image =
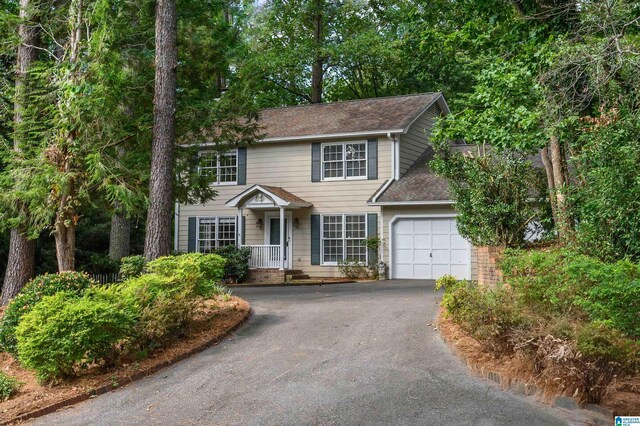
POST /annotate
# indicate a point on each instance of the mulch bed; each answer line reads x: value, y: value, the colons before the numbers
x: 622, y: 397
x: 214, y: 321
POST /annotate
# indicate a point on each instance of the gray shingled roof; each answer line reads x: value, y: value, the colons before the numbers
x: 419, y: 183
x: 358, y: 116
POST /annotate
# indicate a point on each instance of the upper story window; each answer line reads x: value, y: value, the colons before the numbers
x: 344, y: 161
x: 223, y: 166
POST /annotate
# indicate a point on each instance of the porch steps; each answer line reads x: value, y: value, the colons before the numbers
x: 295, y: 274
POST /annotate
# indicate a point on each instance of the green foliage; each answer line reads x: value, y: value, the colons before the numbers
x: 353, y: 268
x: 597, y: 341
x: 64, y: 333
x: 132, y: 266
x: 202, y: 271
x: 9, y: 386
x: 561, y: 282
x: 236, y: 267
x: 488, y: 314
x: 44, y: 285
x: 164, y: 305
x: 493, y: 194
x: 607, y: 208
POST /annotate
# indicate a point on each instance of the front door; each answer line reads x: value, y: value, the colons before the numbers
x: 274, y: 236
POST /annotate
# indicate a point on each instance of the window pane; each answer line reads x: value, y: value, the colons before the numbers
x: 332, y: 243
x: 356, y: 157
x: 355, y: 236
x: 332, y: 250
x: 332, y: 226
x: 226, y: 231
x: 332, y: 160
x: 206, y: 235
x: 228, y: 167
x: 208, y: 163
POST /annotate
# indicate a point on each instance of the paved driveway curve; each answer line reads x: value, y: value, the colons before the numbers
x: 338, y: 354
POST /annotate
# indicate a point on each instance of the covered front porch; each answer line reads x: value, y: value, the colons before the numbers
x: 272, y: 209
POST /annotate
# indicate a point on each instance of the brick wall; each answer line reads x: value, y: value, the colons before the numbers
x: 266, y: 276
x: 487, y: 259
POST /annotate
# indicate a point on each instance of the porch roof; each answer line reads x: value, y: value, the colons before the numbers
x: 278, y: 197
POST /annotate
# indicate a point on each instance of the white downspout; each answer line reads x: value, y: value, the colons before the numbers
x: 176, y: 228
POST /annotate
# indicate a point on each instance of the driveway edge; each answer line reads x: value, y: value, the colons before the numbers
x: 597, y: 414
x: 132, y: 378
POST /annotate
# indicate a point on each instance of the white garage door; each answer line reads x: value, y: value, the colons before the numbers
x: 428, y: 249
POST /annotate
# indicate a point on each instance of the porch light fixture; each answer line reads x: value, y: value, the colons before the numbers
x: 259, y: 223
x: 296, y: 222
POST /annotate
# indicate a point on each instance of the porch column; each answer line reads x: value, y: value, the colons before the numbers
x: 240, y: 228
x: 282, y: 241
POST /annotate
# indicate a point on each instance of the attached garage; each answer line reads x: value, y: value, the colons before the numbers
x: 428, y: 248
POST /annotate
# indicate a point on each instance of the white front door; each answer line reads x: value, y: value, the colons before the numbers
x: 272, y: 233
x: 428, y: 248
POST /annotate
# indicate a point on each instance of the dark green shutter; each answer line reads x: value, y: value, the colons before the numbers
x: 372, y: 159
x: 191, y: 245
x: 242, y: 166
x: 243, y: 220
x: 372, y: 232
x: 316, y: 165
x: 315, y: 239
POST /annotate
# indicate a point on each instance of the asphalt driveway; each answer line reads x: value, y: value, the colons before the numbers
x: 337, y: 354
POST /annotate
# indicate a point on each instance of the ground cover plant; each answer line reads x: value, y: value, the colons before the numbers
x: 573, y: 319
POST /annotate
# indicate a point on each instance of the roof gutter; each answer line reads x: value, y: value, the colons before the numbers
x: 412, y: 203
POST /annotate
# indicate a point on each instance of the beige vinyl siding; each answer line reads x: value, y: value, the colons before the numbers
x: 389, y: 212
x: 414, y: 143
x: 288, y: 165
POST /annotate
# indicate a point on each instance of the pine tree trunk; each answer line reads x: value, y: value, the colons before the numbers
x: 120, y: 235
x: 317, y: 66
x: 158, y: 231
x: 20, y: 264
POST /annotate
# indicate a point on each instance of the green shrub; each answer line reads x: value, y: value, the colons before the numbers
x: 8, y: 386
x: 558, y: 282
x: 488, y: 314
x: 132, y: 266
x: 353, y: 269
x: 236, y: 268
x: 64, y: 333
x: 203, y: 270
x: 603, y: 344
x: 164, y: 305
x: 615, y: 300
x: 44, y: 285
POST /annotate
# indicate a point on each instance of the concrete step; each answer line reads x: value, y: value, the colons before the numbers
x: 299, y: 277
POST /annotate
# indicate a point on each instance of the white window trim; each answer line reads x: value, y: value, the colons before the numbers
x: 344, y: 236
x: 344, y: 161
x: 218, y: 155
x: 216, y: 240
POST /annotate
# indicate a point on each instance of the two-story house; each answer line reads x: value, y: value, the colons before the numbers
x: 324, y: 178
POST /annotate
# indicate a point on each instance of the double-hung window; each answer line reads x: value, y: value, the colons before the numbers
x: 345, y: 160
x: 223, y: 167
x: 215, y: 232
x: 343, y: 238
